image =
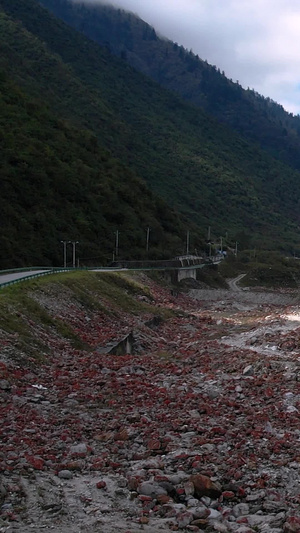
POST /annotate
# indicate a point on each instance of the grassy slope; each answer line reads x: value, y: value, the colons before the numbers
x: 64, y: 305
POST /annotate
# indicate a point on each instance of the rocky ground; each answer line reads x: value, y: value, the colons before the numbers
x: 197, y: 429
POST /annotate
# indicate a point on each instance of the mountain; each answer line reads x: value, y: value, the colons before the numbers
x: 59, y: 184
x: 256, y: 118
x: 119, y: 135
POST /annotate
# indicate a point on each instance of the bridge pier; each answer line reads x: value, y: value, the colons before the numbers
x: 185, y: 273
x: 176, y: 275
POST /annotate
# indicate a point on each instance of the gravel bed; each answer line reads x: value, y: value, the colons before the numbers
x: 196, y: 430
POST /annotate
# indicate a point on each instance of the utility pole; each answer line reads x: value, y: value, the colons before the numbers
x: 74, y: 251
x: 208, y: 233
x: 221, y: 244
x: 117, y: 243
x: 65, y: 252
x: 147, y: 239
x: 187, y: 242
x: 236, y: 249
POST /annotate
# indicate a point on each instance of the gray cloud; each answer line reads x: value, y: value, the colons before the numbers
x: 256, y: 42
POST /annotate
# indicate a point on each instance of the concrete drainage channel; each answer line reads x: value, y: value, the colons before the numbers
x: 126, y: 345
x: 122, y: 347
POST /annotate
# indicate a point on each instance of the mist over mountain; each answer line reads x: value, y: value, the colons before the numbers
x: 255, y: 117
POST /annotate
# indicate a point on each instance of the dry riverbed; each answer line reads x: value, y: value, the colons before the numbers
x: 196, y: 430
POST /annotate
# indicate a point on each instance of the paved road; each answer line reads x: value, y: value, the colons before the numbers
x: 15, y: 276
x: 233, y: 283
x: 5, y: 278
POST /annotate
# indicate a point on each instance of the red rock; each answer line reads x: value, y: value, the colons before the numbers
x: 242, y: 520
x: 196, y: 464
x: 154, y: 444
x: 292, y: 525
x: 73, y: 465
x: 163, y: 498
x: 101, y: 485
x: 204, y: 486
x: 228, y: 495
x: 200, y: 522
x: 115, y: 465
x: 167, y: 511
x: 133, y: 483
x: 144, y: 498
x: 122, y: 435
x: 36, y: 462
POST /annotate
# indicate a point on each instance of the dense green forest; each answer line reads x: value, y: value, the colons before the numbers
x: 257, y: 118
x: 91, y: 146
x: 58, y: 184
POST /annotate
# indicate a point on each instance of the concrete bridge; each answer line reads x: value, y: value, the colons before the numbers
x: 175, y: 270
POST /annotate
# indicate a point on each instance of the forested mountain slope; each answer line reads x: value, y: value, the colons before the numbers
x: 209, y: 174
x: 258, y: 119
x: 57, y: 184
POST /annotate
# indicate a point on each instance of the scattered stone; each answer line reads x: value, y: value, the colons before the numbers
x: 241, y: 509
x: 248, y: 370
x: 79, y: 449
x: 65, y: 474
x: 184, y: 519
x: 151, y: 489
x: 5, y: 385
x: 192, y: 432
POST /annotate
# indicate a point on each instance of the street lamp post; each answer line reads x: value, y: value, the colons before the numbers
x: 65, y: 252
x: 74, y: 251
x: 147, y: 239
x: 187, y: 242
x: 117, y: 243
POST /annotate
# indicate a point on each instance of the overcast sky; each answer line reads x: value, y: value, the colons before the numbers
x: 256, y: 42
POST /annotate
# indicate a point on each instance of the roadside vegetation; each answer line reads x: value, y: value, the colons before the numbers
x: 263, y: 269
